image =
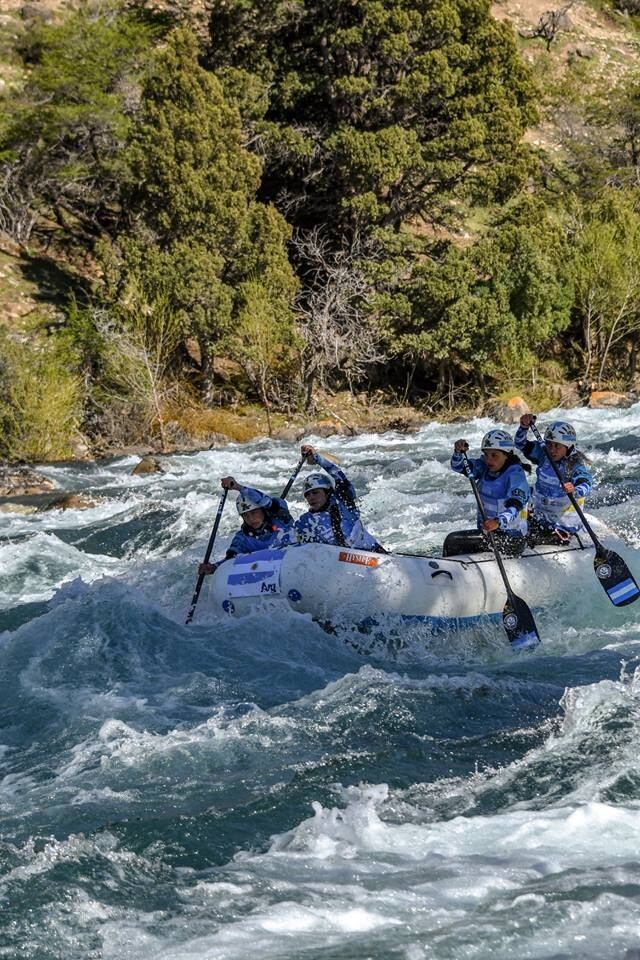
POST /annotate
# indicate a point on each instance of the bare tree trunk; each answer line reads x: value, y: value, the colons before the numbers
x: 610, y: 339
x: 633, y: 360
x: 156, y: 401
x: 410, y: 376
x: 267, y: 405
x: 207, y: 370
x: 163, y: 435
x: 479, y: 378
x: 586, y: 333
x: 442, y: 377
x: 309, y: 383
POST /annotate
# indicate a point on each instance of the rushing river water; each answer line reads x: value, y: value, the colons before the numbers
x: 259, y: 787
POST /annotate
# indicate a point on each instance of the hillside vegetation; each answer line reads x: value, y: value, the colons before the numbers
x: 264, y: 207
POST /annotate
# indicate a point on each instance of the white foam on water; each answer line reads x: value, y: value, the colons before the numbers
x: 544, y: 842
x: 534, y: 858
x: 352, y: 880
x: 515, y: 878
x: 34, y: 569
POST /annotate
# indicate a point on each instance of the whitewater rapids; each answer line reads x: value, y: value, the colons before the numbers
x: 259, y: 786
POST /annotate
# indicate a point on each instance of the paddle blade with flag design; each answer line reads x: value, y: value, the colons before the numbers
x: 615, y: 576
x: 519, y: 624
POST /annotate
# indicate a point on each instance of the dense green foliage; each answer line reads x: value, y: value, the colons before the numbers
x: 322, y: 194
x: 607, y: 280
x: 469, y: 308
x: 40, y: 402
x: 378, y: 112
x: 63, y: 136
x: 195, y: 234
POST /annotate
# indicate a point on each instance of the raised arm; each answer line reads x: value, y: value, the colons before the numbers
x: 460, y: 447
x: 532, y: 451
x: 344, y: 489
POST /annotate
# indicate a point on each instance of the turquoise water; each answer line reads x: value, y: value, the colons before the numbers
x: 259, y: 786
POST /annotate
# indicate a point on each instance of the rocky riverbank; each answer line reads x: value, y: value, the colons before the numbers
x: 24, y: 489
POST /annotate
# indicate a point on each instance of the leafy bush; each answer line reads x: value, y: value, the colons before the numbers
x: 40, y: 402
x: 61, y: 144
x: 378, y: 112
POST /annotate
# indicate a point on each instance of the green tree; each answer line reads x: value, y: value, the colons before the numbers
x: 379, y: 113
x: 599, y: 129
x: 605, y: 241
x: 624, y: 115
x: 196, y: 232
x: 463, y: 310
x: 262, y: 343
x: 62, y: 139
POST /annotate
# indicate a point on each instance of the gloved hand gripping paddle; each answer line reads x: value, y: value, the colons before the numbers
x: 617, y: 580
x: 517, y: 618
x: 214, y: 532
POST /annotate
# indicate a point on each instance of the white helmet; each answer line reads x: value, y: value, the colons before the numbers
x: 251, y: 500
x: 498, y: 440
x: 561, y: 432
x: 317, y: 481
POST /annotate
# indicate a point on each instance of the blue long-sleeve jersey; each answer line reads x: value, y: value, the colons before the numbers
x: 339, y: 521
x: 277, y: 530
x: 504, y: 494
x: 551, y: 504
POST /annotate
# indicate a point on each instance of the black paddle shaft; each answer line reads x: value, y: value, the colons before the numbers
x: 488, y: 533
x: 613, y: 573
x: 214, y: 533
x: 517, y: 618
x: 212, y: 539
x: 292, y: 479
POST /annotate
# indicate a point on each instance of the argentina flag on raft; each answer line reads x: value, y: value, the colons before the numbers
x: 255, y: 574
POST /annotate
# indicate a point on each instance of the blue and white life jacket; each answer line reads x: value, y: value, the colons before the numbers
x: 551, y: 504
x: 277, y: 530
x: 504, y: 494
x: 339, y: 521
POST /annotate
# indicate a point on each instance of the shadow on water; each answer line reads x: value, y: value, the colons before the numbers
x: 627, y: 443
x: 150, y: 531
x: 17, y: 616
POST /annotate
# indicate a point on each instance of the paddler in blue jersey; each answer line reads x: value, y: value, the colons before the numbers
x: 266, y: 523
x: 333, y: 516
x: 504, y: 491
x: 553, y: 518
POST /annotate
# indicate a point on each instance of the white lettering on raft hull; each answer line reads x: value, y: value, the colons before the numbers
x: 331, y: 582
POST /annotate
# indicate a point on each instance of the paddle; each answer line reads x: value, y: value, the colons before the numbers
x: 517, y: 618
x: 201, y: 576
x: 611, y: 570
x: 214, y: 532
x: 291, y: 480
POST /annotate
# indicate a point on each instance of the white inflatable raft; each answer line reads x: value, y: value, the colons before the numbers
x: 340, y: 585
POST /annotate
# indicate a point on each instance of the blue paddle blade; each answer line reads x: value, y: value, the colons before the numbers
x: 519, y: 624
x: 615, y: 577
x: 526, y: 641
